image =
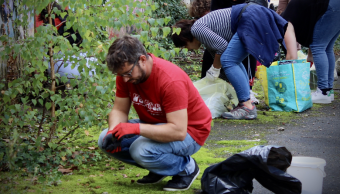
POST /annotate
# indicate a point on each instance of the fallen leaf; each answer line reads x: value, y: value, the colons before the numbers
x: 92, y: 148
x: 63, y: 158
x: 107, y: 165
x: 125, y: 176
x: 41, y: 149
x: 98, y: 187
x: 112, y: 168
x: 92, y: 176
x: 64, y: 171
x: 6, y: 140
x: 138, y: 175
x: 121, y: 168
x: 101, y: 175
x: 87, y: 132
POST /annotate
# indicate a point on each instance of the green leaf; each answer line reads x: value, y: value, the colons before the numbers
x: 64, y: 79
x: 19, y: 90
x: 176, y: 30
x: 166, y: 31
x: 74, y: 37
x: 167, y: 20
x: 160, y: 21
x: 17, y: 106
x: 151, y: 21
x: 34, y: 101
x: 41, y: 102
x: 177, y: 50
x: 154, y: 31
x: 63, y: 14
x: 166, y: 55
x: 153, y: 7
x: 173, y: 53
x: 185, y: 51
x: 53, y: 98
x: 48, y: 105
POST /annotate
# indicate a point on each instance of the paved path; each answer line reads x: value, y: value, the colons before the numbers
x: 314, y: 136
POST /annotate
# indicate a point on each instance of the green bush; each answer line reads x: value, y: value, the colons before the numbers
x: 38, y: 117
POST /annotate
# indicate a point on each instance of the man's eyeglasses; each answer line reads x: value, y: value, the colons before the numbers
x: 129, y: 73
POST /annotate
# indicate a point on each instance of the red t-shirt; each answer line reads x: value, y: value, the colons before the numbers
x: 168, y: 89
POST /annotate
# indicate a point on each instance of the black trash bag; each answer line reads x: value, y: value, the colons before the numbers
x: 267, y: 164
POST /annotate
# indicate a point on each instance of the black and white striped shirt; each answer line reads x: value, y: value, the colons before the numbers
x: 214, y: 30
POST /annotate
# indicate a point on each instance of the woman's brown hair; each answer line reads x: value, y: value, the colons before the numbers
x: 185, y: 35
x: 198, y: 8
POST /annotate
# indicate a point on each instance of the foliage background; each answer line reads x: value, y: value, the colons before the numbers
x: 39, y: 119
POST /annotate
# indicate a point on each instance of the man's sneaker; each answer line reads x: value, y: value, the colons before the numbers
x: 331, y: 94
x: 319, y: 98
x: 182, y: 183
x: 151, y: 178
x: 253, y: 98
x: 241, y: 112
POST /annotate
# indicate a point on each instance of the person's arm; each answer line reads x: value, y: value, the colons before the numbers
x: 209, y: 38
x: 174, y: 130
x: 290, y: 41
x: 217, y: 61
x: 119, y: 112
x: 282, y: 6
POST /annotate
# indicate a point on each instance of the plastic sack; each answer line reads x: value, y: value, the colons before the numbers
x: 267, y: 164
x: 286, y: 85
x: 217, y: 95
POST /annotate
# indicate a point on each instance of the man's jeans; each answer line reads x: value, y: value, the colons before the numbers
x: 168, y: 159
x: 231, y: 61
x: 326, y: 31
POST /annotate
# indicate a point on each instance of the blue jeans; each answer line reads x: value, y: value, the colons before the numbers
x: 326, y: 31
x: 168, y: 159
x: 231, y: 61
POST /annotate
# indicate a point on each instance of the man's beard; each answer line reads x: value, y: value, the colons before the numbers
x: 142, y: 78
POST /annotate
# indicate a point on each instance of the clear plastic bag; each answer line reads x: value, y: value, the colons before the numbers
x: 217, y: 95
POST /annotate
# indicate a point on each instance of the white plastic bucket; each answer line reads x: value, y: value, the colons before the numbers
x: 310, y: 171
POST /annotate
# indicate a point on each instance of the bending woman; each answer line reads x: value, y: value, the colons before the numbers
x: 231, y: 36
x: 197, y: 10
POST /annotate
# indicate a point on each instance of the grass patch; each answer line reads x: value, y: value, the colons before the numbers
x: 230, y: 147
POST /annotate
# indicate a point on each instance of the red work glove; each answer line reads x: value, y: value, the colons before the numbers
x: 125, y: 129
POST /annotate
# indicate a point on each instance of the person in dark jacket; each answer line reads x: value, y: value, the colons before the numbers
x: 317, y: 26
x: 231, y: 36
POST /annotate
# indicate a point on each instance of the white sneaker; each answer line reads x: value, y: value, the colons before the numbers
x: 331, y: 94
x: 253, y: 98
x: 319, y: 98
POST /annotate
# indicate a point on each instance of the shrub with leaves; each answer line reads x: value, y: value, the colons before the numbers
x: 38, y: 116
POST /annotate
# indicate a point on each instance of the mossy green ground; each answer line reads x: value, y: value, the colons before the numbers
x: 109, y: 175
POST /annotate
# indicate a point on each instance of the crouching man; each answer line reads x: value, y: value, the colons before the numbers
x: 173, y: 123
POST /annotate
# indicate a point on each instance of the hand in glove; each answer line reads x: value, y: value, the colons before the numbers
x: 125, y: 129
x: 213, y: 73
x: 110, y: 143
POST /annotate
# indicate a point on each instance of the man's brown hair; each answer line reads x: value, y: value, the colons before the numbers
x: 124, y: 49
